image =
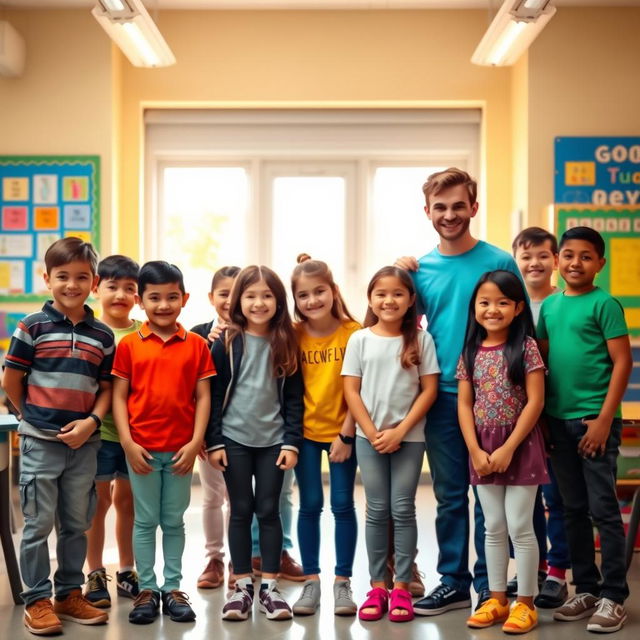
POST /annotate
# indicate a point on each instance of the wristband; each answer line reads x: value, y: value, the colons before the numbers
x: 346, y: 439
x: 97, y: 420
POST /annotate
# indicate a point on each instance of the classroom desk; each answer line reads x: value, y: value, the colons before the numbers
x: 8, y: 423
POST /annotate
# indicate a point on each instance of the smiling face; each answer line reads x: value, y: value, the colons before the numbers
x: 258, y: 305
x: 579, y: 263
x: 494, y: 311
x: 162, y: 304
x: 117, y: 297
x: 221, y: 296
x: 536, y: 264
x: 450, y: 212
x: 70, y: 285
x: 390, y: 300
x: 314, y: 297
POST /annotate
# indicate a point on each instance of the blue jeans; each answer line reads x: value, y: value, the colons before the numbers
x: 588, y: 488
x: 160, y: 499
x: 342, y: 476
x: 449, y: 463
x: 390, y: 482
x: 56, y: 488
x: 286, y: 516
x: 558, y: 554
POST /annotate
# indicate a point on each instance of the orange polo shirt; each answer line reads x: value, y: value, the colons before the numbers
x: 162, y: 385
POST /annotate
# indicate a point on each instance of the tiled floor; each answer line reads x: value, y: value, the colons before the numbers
x: 325, y: 625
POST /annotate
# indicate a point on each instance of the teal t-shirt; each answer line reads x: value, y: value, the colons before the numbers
x: 108, y: 430
x: 444, y: 285
x: 577, y: 328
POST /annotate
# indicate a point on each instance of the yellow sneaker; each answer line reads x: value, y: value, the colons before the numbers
x: 488, y: 614
x: 521, y: 619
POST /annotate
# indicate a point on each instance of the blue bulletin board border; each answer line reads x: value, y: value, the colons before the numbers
x: 76, y: 202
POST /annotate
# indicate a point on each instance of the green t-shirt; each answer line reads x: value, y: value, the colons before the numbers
x: 577, y: 328
x: 108, y: 429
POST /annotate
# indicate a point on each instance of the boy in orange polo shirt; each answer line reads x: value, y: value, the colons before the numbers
x: 161, y: 404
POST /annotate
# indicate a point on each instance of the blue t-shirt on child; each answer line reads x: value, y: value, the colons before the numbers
x: 444, y: 284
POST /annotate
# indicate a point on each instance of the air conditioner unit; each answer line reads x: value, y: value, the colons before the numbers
x: 12, y: 51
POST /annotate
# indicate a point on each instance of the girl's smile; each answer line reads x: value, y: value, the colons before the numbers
x: 494, y: 311
x: 258, y: 305
x: 390, y: 299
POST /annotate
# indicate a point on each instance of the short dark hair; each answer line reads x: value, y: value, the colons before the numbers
x: 584, y: 233
x: 534, y: 237
x: 68, y: 250
x: 118, y: 267
x: 159, y: 272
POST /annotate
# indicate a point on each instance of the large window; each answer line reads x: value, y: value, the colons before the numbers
x: 262, y: 187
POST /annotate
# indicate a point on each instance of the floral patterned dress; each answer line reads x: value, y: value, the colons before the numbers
x: 497, y: 406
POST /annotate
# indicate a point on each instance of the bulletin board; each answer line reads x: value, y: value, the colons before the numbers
x: 620, y: 228
x: 43, y: 199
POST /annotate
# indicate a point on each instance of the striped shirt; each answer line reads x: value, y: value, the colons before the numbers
x: 64, y: 364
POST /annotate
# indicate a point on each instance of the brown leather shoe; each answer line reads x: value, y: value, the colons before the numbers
x: 40, y: 619
x: 290, y: 569
x: 213, y: 575
x: 76, y: 607
x: 416, y: 586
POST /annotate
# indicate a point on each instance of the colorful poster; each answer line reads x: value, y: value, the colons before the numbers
x: 15, y: 189
x: 15, y: 218
x: 75, y: 188
x: 45, y: 218
x: 45, y: 189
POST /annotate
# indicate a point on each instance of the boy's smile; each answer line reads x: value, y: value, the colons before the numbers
x: 70, y: 285
x: 117, y: 298
x: 579, y: 263
x: 536, y: 264
x: 163, y: 303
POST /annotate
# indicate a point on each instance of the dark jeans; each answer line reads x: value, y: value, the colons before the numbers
x: 243, y: 465
x: 588, y: 489
x: 449, y: 464
x: 558, y: 554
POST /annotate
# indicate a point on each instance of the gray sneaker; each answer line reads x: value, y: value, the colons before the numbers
x: 344, y: 604
x: 609, y: 617
x: 582, y: 605
x: 309, y: 601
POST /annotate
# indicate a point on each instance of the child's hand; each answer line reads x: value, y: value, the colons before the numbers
x: 76, y: 433
x: 387, y: 441
x: 184, y: 458
x: 216, y: 331
x: 137, y: 457
x: 287, y: 459
x: 481, y: 463
x: 218, y: 459
x: 500, y: 459
x: 339, y: 451
x: 202, y: 454
x: 594, y: 441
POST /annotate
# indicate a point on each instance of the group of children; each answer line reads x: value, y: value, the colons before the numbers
x: 256, y: 395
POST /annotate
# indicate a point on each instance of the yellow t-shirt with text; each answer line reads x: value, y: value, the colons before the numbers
x: 324, y: 405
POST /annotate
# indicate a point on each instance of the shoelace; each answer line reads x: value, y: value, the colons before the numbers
x: 239, y: 595
x: 144, y: 597
x: 440, y: 590
x: 180, y: 597
x: 606, y: 608
x: 40, y: 607
x: 344, y: 591
x: 307, y: 591
x: 98, y: 581
x: 579, y: 598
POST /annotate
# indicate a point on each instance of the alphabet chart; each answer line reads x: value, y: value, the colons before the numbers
x: 42, y: 199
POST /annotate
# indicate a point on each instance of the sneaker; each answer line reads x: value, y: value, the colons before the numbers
x: 416, y: 586
x: 512, y: 585
x: 483, y: 596
x: 213, y: 575
x: 609, y: 617
x: 489, y: 613
x: 343, y: 602
x: 273, y: 604
x: 290, y: 569
x: 146, y: 607
x: 176, y: 605
x: 96, y: 591
x: 309, y: 601
x: 521, y: 619
x: 75, y: 607
x: 552, y: 594
x: 40, y: 619
x: 127, y: 584
x: 582, y: 605
x: 238, y: 604
x: 442, y: 598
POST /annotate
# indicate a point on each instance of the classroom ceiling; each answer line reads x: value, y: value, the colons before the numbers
x: 310, y: 4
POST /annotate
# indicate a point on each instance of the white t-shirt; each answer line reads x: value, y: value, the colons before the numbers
x: 387, y: 389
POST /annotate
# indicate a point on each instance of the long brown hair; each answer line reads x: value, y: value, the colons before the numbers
x: 284, y: 347
x: 410, y: 354
x: 318, y: 269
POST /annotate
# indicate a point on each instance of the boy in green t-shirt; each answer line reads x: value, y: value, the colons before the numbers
x: 117, y: 292
x: 585, y: 338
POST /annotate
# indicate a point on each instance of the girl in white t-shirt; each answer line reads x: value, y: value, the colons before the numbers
x: 390, y: 375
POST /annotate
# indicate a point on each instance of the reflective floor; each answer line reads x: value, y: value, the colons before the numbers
x: 208, y: 603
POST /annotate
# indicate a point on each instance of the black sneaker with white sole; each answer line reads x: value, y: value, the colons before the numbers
x: 442, y: 598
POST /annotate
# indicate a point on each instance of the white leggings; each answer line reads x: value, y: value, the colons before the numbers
x: 508, y: 512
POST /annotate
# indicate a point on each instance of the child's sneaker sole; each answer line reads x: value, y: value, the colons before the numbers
x: 464, y: 604
x: 96, y: 620
x: 278, y: 614
x: 516, y: 632
x: 101, y: 604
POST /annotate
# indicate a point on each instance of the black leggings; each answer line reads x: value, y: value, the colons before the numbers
x: 243, y: 465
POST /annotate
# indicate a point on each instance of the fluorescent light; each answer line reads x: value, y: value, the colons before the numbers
x: 516, y: 25
x: 129, y: 25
